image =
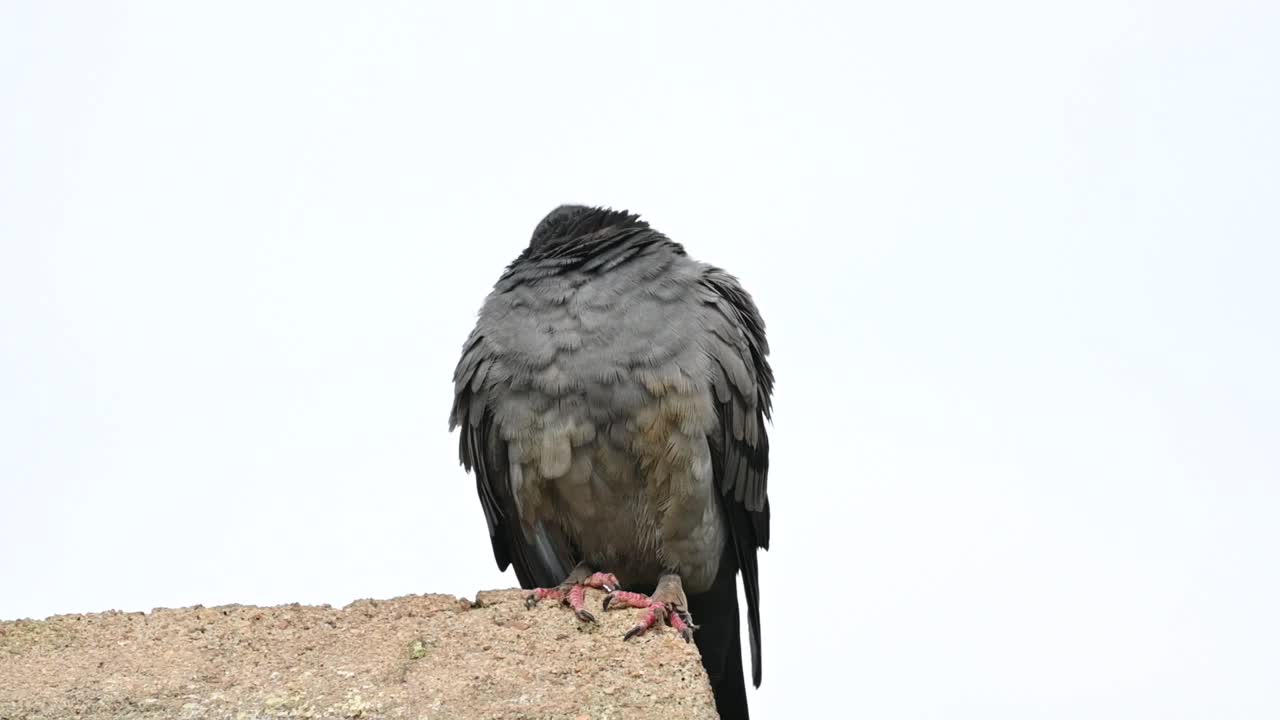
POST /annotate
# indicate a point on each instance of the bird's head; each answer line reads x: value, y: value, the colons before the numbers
x: 567, y: 223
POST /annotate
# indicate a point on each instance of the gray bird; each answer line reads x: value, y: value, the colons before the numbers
x: 612, y: 399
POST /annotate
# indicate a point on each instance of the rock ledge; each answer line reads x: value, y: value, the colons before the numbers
x: 419, y: 656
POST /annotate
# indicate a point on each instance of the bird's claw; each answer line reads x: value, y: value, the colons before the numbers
x: 682, y: 622
x: 626, y: 599
x: 537, y: 595
x: 574, y: 594
x: 677, y: 617
x: 607, y: 582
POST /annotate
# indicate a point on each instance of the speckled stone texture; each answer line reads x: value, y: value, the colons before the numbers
x: 422, y: 656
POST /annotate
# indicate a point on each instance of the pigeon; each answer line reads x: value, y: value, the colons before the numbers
x: 612, y: 403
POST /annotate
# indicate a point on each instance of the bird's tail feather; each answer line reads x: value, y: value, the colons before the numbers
x: 719, y: 640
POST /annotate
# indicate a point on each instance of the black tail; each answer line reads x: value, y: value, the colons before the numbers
x: 719, y: 640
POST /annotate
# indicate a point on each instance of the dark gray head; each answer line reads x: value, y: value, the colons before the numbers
x: 570, y: 222
x: 587, y: 239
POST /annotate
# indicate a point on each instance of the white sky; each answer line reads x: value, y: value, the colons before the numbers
x: 1019, y: 264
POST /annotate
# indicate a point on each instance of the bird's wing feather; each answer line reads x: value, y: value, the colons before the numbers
x: 484, y: 453
x: 743, y: 386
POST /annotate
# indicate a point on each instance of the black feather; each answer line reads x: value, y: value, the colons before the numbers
x: 740, y: 458
x: 719, y: 640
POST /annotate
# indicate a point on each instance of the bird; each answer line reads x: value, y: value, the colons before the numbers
x: 612, y: 402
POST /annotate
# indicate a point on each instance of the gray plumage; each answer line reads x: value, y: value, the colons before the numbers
x: 612, y: 400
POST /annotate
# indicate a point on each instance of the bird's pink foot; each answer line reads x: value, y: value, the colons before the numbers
x: 573, y: 592
x: 670, y: 610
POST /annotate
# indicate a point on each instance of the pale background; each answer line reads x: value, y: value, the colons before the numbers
x: 1019, y: 264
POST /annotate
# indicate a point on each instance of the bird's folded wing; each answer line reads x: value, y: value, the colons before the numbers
x: 483, y: 452
x: 743, y: 386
